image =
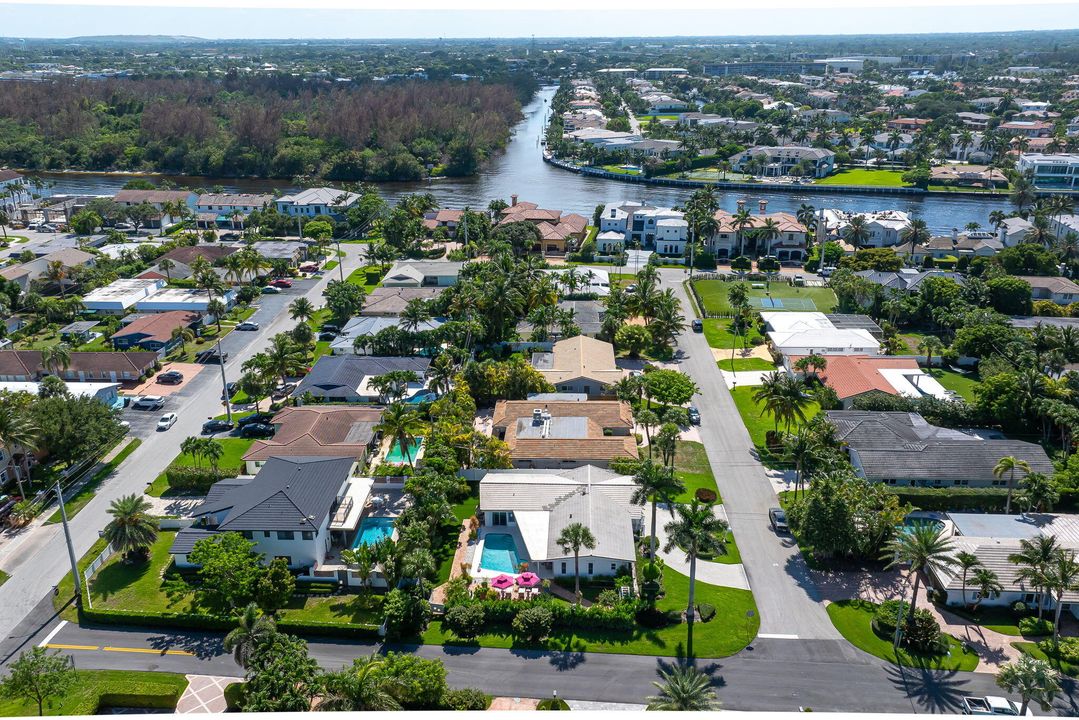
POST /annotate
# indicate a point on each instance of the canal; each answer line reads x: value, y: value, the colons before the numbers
x: 521, y: 170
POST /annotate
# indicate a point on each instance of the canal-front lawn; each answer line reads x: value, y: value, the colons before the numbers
x: 868, y: 177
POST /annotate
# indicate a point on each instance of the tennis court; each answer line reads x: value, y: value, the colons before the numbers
x: 789, y: 303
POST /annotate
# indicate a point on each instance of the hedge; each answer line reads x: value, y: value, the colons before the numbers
x: 981, y: 499
x: 183, y: 477
x: 198, y: 621
x: 569, y: 617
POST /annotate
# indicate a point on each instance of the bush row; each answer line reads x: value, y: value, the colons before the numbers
x: 978, y: 499
x: 182, y: 477
x: 620, y: 618
x: 200, y: 621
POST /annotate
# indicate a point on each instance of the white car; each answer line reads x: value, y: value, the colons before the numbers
x: 149, y: 402
x: 167, y: 420
x: 248, y: 325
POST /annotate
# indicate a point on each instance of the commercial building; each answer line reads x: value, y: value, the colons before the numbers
x: 186, y: 299
x: 119, y: 296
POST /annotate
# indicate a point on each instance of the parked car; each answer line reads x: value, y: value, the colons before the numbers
x: 991, y: 705
x: 270, y: 290
x: 167, y: 420
x: 799, y: 280
x: 230, y: 390
x: 248, y: 325
x: 282, y: 283
x: 827, y: 271
x: 256, y: 419
x: 7, y: 504
x: 171, y: 377
x: 256, y: 430
x: 149, y: 402
x: 211, y: 357
x: 778, y: 518
x: 326, y: 336
x: 697, y: 325
x: 330, y: 327
x: 282, y: 390
x: 694, y: 415
x: 230, y: 236
x: 213, y: 426
x: 123, y: 226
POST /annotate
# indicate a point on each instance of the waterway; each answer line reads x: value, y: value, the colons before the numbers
x: 520, y: 170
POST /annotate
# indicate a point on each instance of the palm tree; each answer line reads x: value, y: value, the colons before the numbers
x: 924, y: 548
x: 916, y: 234
x: 131, y: 531
x: 415, y: 314
x: 252, y: 627
x: 857, y: 231
x: 283, y: 357
x: 741, y: 220
x: 930, y: 345
x: 768, y: 395
x: 184, y: 335
x: 1031, y: 679
x: 55, y: 272
x: 695, y: 530
x: 1061, y: 576
x: 1034, y: 558
x: 56, y: 357
x: 1009, y: 465
x: 987, y: 583
x: 363, y: 559
x: 401, y: 424
x: 966, y: 561
x: 301, y: 309
x: 684, y: 688
x: 360, y: 688
x: 166, y: 266
x: 217, y: 308
x: 767, y: 232
x: 657, y: 484
x: 18, y: 431
x: 572, y: 538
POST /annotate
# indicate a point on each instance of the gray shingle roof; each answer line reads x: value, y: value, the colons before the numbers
x: 334, y: 372
x: 610, y: 522
x: 185, y: 540
x: 295, y: 493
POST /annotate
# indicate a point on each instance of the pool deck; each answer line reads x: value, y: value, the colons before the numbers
x: 478, y: 572
x: 386, y: 447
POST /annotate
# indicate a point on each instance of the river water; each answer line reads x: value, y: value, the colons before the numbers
x: 521, y: 170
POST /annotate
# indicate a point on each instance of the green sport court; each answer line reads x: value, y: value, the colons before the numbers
x: 789, y: 303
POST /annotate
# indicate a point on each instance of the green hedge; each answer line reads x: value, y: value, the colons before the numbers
x: 183, y: 477
x: 982, y: 499
x: 197, y: 621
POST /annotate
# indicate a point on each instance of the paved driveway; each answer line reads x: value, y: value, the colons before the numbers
x: 153, y: 387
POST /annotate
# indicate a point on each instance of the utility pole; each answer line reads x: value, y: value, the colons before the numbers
x: 224, y: 383
x: 340, y: 260
x: 70, y: 547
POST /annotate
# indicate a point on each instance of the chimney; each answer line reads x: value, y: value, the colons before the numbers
x: 513, y: 200
x: 955, y: 236
x: 1001, y: 234
x: 763, y: 206
x: 742, y: 204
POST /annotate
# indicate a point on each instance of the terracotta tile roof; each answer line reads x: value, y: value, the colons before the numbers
x: 447, y: 215
x: 187, y: 253
x: 579, y: 356
x: 852, y: 375
x: 605, y: 413
x: 392, y: 300
x: 158, y: 326
x: 330, y: 431
x: 587, y: 449
x: 28, y: 362
x: 786, y: 222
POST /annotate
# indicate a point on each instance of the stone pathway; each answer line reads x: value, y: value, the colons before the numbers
x: 744, y: 378
x: 513, y: 703
x: 204, y: 694
x: 713, y: 573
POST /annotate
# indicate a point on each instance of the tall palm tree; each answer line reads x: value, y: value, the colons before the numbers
x: 573, y: 538
x: 924, y: 548
x: 767, y: 232
x: 741, y: 219
x: 131, y: 531
x: 966, y: 561
x: 695, y: 530
x: 56, y: 358
x: 1061, y: 576
x: 769, y: 395
x: 301, y: 309
x: 857, y: 231
x: 217, y: 308
x: 360, y: 688
x: 283, y: 357
x: 166, y: 265
x: 55, y: 272
x: 184, y: 335
x: 657, y: 484
x: 916, y: 234
x: 987, y: 584
x: 18, y: 431
x: 1030, y: 679
x: 684, y: 688
x: 1008, y: 465
x: 401, y: 425
x: 930, y: 345
x: 252, y: 628
x: 415, y: 314
x: 234, y: 268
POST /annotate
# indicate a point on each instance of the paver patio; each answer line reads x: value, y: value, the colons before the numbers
x: 204, y: 694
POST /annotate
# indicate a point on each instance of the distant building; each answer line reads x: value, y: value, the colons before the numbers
x: 119, y: 296
x: 1058, y: 170
x: 781, y: 160
x: 317, y: 202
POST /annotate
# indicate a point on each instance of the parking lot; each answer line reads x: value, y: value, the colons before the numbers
x: 153, y: 387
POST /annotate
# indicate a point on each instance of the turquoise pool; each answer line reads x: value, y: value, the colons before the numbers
x: 499, y: 553
x: 397, y: 455
x: 373, y: 530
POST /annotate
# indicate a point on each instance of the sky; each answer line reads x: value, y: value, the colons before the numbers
x: 216, y: 19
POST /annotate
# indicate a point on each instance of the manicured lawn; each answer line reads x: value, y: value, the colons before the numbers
x: 733, y: 557
x: 853, y: 618
x: 964, y: 384
x: 95, y: 689
x: 359, y: 277
x: 78, y: 501
x: 789, y: 298
x: 353, y: 609
x: 865, y: 176
x: 234, y: 451
x: 719, y: 334
x: 4, y: 577
x: 619, y: 170
x: 758, y: 424
x: 743, y: 364
x: 997, y: 619
x: 120, y: 586
x: 726, y: 634
x: 1032, y: 649
x: 621, y: 279
x: 445, y: 551
x: 693, y: 469
x: 330, y: 265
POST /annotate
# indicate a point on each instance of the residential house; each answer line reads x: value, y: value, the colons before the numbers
x: 213, y: 253
x: 907, y: 280
x: 973, y: 120
x: 534, y: 507
x: 638, y: 223
x: 1060, y: 290
x: 444, y: 218
x: 813, y: 333
x: 154, y: 332
x: 579, y: 365
x: 777, y: 161
x: 367, y: 326
x: 119, y: 296
x: 104, y: 392
x: 884, y: 228
x: 728, y: 242
x: 186, y: 299
x: 422, y: 273
x: 954, y: 246
x: 587, y: 315
x: 1026, y: 128
x: 322, y: 202
x: 1057, y: 170
x: 1014, y: 230
x: 228, y: 210
x: 854, y: 376
x: 161, y: 200
x: 967, y: 176
x: 900, y: 448
x: 554, y: 434
x: 391, y: 301
x: 347, y: 378
x: 317, y: 431
x: 79, y: 332
x: 111, y: 367
x: 37, y: 270
x: 559, y: 232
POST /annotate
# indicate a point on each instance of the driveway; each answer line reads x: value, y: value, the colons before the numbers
x: 713, y: 573
x: 153, y: 387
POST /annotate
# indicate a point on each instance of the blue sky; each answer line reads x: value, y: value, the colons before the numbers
x: 274, y: 19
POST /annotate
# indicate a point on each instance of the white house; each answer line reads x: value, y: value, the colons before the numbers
x: 107, y: 393
x: 119, y: 296
x: 189, y: 299
x: 1059, y: 170
x: 422, y: 273
x: 813, y: 333
x: 317, y: 202
x: 780, y: 160
x: 884, y: 228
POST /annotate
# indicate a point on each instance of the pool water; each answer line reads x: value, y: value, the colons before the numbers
x: 397, y: 455
x: 915, y: 522
x: 499, y: 553
x: 373, y: 530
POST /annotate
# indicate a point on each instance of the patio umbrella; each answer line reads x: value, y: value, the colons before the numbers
x: 528, y: 579
x: 502, y: 582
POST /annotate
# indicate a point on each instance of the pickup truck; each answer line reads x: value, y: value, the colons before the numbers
x: 991, y: 705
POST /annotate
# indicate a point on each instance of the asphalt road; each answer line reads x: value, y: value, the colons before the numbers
x: 40, y: 561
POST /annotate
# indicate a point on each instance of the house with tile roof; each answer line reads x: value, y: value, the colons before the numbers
x: 317, y: 431
x: 579, y: 365
x: 314, y: 203
x: 565, y: 434
x: 111, y: 367
x: 153, y: 332
x: 854, y: 376
x: 26, y: 273
x: 730, y: 240
x: 533, y: 507
x: 422, y: 273
x: 900, y: 448
x: 1060, y: 290
x: 559, y: 232
x: 392, y: 301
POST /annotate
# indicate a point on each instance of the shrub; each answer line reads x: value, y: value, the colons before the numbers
x: 533, y: 623
x: 466, y: 699
x: 923, y: 633
x: 607, y: 598
x: 1032, y: 626
x: 552, y: 704
x: 191, y: 478
x: 706, y: 495
x: 974, y: 499
x: 465, y: 621
x: 886, y: 614
x: 421, y: 682
x: 706, y: 611
x: 404, y: 614
x: 1020, y: 608
x: 234, y: 696
x: 655, y: 618
x: 1068, y: 649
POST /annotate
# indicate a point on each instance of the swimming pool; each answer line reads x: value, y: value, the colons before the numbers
x: 910, y: 523
x: 373, y: 530
x: 397, y: 455
x: 499, y: 553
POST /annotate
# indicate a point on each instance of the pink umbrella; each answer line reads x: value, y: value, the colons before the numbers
x: 528, y: 579
x: 502, y: 582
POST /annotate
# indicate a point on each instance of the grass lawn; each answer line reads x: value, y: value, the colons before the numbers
x: 621, y: 279
x: 726, y: 634
x: 330, y: 265
x: 359, y: 277
x: 78, y: 501
x: 1032, y: 649
x: 96, y: 689
x: 4, y: 577
x: 852, y: 619
x: 354, y: 609
x: 619, y: 170
x: 719, y: 334
x: 693, y: 469
x: 445, y: 551
x: 741, y: 364
x: 997, y: 619
x: 714, y: 296
x: 234, y: 451
x: 757, y: 424
x: 964, y: 384
x: 865, y: 176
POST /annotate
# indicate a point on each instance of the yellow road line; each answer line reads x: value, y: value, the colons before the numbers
x: 148, y: 651
x: 59, y: 646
